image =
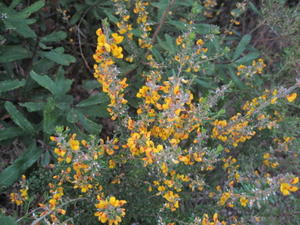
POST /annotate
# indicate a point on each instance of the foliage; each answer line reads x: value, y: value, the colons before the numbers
x: 196, y: 135
x: 35, y: 104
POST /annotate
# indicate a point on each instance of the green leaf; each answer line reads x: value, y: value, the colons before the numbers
x: 164, y: 45
x: 242, y: 46
x: 10, y: 132
x: 76, y: 17
x: 94, y: 111
x: 54, y: 36
x: 43, y: 65
x: 203, y: 28
x: 220, y: 149
x: 32, y: 8
x: 157, y: 55
x: 203, y: 83
x: 7, y: 220
x: 57, y: 56
x: 10, y: 53
x: 94, y: 100
x: 9, y: 85
x: 253, y: 7
x: 236, y: 80
x: 110, y: 16
x: 91, y: 2
x: 18, y: 117
x: 90, y: 84
x: 64, y: 102
x: 72, y: 116
x: 179, y: 25
x: 33, y: 106
x: 62, y: 84
x: 9, y: 175
x: 89, y: 125
x: 49, y: 117
x: 44, y: 81
x: 14, y: 3
x: 45, y: 159
x: 20, y: 26
x: 248, y: 58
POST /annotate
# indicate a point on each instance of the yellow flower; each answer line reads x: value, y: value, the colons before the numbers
x: 112, y: 164
x: 273, y: 100
x: 199, y: 42
x: 116, y: 51
x: 74, y: 144
x: 291, y: 97
x: 117, y: 38
x: 244, y: 201
x: 295, y: 180
x: 179, y: 40
x: 286, y: 188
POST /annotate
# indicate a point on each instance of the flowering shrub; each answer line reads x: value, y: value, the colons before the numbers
x: 175, y: 155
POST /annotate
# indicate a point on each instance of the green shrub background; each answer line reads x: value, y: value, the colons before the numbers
x: 46, y: 65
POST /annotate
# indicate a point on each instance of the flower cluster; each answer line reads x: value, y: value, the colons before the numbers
x: 109, y: 210
x: 20, y: 197
x: 107, y: 73
x: 174, y: 141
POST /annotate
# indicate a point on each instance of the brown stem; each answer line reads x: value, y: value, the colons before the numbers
x: 162, y: 20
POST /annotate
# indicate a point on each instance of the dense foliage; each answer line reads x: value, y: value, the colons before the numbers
x: 149, y: 112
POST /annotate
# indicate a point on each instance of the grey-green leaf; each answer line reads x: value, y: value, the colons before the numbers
x: 49, y: 117
x: 32, y: 8
x: 62, y: 84
x: 89, y: 125
x: 94, y: 100
x: 248, y: 58
x: 10, y: 132
x: 235, y: 79
x: 242, y: 46
x: 56, y: 56
x: 18, y: 117
x: 9, y: 85
x: 9, y: 175
x: 33, y: 106
x: 44, y: 81
x: 7, y: 220
x: 54, y: 36
x: 11, y: 53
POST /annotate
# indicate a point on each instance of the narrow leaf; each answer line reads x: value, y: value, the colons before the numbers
x: 18, y: 117
x: 12, y: 53
x: 10, y: 132
x: 54, y: 36
x: 9, y: 175
x: 248, y: 58
x: 33, y: 106
x: 242, y: 46
x: 33, y: 8
x: 44, y: 81
x: 10, y: 85
x: 58, y: 57
x: 62, y: 84
x: 236, y: 80
x: 49, y: 117
x: 7, y: 220
x: 94, y: 100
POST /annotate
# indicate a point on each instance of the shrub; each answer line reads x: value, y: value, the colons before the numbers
x: 184, y: 148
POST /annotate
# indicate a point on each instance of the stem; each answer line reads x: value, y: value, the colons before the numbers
x: 51, y: 211
x: 162, y: 20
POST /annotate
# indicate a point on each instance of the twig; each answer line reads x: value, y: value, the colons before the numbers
x: 81, y: 52
x: 162, y: 20
x: 51, y: 211
x: 79, y: 40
